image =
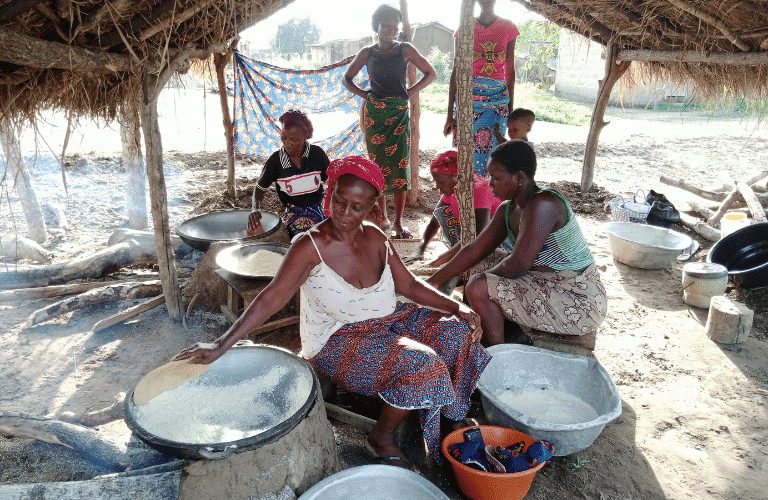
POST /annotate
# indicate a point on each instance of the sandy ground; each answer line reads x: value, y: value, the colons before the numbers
x: 694, y: 412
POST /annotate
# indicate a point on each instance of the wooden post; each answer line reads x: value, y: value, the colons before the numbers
x: 220, y: 63
x: 158, y: 196
x: 464, y: 120
x: 412, y: 197
x: 613, y: 71
x: 130, y: 137
x: 758, y: 214
x: 19, y: 176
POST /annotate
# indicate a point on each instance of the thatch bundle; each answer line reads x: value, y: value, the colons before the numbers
x: 724, y: 40
x: 87, y: 56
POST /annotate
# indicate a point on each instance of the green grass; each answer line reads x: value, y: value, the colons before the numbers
x: 547, y: 107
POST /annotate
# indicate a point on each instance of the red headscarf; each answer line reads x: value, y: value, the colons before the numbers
x: 446, y: 162
x: 358, y: 166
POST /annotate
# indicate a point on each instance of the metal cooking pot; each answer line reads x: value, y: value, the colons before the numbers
x: 745, y: 253
x: 239, y: 364
x: 230, y: 258
x: 223, y: 225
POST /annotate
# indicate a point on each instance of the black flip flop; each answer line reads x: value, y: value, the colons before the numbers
x: 383, y: 459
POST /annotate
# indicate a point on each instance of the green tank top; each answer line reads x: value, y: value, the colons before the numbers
x: 565, y: 248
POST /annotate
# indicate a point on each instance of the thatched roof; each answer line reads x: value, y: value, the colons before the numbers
x: 711, y: 44
x: 88, y: 56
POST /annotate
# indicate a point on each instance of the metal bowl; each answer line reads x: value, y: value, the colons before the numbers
x: 745, y: 253
x: 374, y: 482
x: 232, y: 258
x: 645, y: 246
x: 223, y: 225
x: 238, y: 365
x: 521, y: 366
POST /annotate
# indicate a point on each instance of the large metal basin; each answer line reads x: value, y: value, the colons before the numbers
x: 374, y: 482
x: 239, y: 365
x: 744, y: 253
x: 520, y: 366
x: 236, y: 259
x: 223, y: 225
x: 645, y: 246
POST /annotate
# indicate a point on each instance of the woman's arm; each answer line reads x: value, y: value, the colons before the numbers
x: 360, y: 60
x: 469, y: 255
x: 298, y: 262
x: 412, y: 55
x: 481, y: 220
x: 421, y: 293
x: 543, y: 214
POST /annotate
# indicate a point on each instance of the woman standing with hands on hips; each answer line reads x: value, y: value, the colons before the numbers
x: 353, y: 330
x: 385, y: 118
x: 493, y: 83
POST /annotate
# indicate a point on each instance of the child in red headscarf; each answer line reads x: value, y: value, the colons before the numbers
x: 445, y: 170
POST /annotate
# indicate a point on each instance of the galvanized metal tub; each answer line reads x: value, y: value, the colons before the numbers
x: 224, y: 225
x: 645, y: 246
x: 521, y: 366
x: 374, y: 482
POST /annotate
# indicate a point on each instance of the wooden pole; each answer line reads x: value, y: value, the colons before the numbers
x: 150, y: 124
x: 19, y: 176
x: 464, y: 119
x: 130, y: 137
x: 613, y: 71
x: 220, y: 63
x: 695, y: 57
x: 412, y: 197
x: 758, y: 214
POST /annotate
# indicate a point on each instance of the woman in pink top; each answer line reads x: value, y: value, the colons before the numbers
x: 493, y: 83
x: 445, y: 169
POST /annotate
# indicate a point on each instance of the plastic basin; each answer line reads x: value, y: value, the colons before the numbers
x: 516, y: 366
x: 374, y: 482
x: 480, y: 485
x: 645, y: 246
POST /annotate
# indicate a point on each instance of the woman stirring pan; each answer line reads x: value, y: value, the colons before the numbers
x: 354, y: 332
x: 385, y: 119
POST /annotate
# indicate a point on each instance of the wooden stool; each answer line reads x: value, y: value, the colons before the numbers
x: 583, y: 345
x: 241, y: 291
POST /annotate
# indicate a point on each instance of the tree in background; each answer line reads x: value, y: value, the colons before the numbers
x: 295, y: 37
x: 536, y: 45
x: 442, y: 63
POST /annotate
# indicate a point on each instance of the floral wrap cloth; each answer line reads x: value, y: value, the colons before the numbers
x: 415, y: 358
x: 387, y: 129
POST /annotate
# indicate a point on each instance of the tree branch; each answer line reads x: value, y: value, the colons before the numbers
x: 712, y: 20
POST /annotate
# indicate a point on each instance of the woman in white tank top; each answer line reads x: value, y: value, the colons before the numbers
x: 354, y: 332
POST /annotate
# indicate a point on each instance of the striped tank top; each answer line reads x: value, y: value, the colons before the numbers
x: 565, y: 248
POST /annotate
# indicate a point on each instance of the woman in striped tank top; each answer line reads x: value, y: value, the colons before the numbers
x: 549, y: 281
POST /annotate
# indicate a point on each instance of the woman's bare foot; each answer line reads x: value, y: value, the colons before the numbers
x: 387, y: 453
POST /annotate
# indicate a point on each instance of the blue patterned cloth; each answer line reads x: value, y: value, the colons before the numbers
x: 264, y: 92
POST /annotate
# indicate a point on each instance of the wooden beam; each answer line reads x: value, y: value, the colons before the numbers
x: 175, y: 19
x: 712, y: 20
x: 32, y: 52
x: 14, y: 8
x: 96, y: 20
x: 684, y: 56
x: 140, y: 21
x: 613, y: 71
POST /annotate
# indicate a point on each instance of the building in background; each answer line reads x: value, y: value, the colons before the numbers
x: 322, y: 54
x: 581, y: 66
x: 433, y: 34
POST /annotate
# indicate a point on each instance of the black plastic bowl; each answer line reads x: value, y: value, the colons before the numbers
x: 745, y: 254
x: 237, y: 364
x: 223, y: 225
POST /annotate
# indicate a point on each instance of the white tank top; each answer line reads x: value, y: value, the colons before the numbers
x: 328, y: 302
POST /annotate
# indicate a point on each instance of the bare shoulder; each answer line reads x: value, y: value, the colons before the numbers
x: 373, y: 233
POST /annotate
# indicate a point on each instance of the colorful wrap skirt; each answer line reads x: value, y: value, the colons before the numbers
x: 387, y: 128
x: 415, y: 358
x: 299, y: 219
x: 490, y: 105
x: 564, y: 302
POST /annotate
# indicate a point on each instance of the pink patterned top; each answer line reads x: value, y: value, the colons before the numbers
x: 483, y: 197
x: 491, y: 48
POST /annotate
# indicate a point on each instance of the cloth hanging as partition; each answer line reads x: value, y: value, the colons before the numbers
x: 264, y: 92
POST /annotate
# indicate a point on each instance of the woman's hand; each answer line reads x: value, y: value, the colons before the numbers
x: 417, y: 254
x: 450, y: 124
x: 203, y: 353
x: 253, y: 220
x: 473, y: 319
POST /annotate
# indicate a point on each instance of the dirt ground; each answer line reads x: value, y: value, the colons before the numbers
x: 694, y: 415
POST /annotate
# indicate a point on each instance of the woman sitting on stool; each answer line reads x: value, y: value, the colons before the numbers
x: 549, y: 282
x: 353, y: 330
